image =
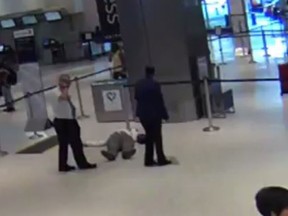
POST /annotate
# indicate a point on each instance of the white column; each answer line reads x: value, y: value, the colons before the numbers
x: 90, y: 11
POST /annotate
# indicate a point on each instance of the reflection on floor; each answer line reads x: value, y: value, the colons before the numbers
x: 218, y: 174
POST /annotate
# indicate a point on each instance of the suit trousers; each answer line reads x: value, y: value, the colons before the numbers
x: 7, y: 94
x: 153, y: 129
x: 69, y: 133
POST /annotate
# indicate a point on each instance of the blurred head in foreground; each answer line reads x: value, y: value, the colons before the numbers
x: 272, y: 201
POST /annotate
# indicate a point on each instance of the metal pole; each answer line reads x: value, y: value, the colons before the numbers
x: 210, y: 127
x: 284, y: 21
x: 221, y: 50
x: 264, y: 43
x: 218, y: 71
x: 126, y: 103
x: 251, y: 61
x: 241, y: 39
x: 2, y: 153
x: 111, y: 73
x: 35, y: 135
x: 82, y: 113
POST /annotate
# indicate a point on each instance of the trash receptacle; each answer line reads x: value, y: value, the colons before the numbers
x: 283, y: 76
x: 111, y: 101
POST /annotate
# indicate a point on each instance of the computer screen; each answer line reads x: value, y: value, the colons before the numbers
x: 107, y: 47
x: 88, y: 36
x: 53, y: 16
x: 29, y: 20
x: 9, y: 23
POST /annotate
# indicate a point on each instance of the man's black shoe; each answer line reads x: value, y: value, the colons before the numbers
x: 88, y: 166
x: 9, y: 110
x: 67, y: 169
x: 164, y: 163
x: 152, y: 164
x: 108, y: 156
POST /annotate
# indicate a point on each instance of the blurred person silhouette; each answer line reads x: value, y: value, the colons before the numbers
x: 272, y: 201
x: 118, y: 62
x: 151, y: 111
x: 67, y: 128
x: 8, y: 78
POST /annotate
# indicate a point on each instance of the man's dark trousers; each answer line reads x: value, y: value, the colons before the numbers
x: 153, y: 129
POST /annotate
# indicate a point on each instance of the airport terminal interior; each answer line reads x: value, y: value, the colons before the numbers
x: 213, y: 173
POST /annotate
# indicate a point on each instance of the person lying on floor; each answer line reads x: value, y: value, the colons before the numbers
x: 272, y: 201
x: 122, y: 141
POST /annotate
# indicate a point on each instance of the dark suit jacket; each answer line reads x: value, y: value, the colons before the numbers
x: 150, y: 102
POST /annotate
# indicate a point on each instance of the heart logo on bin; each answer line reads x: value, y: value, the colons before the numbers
x: 111, y: 96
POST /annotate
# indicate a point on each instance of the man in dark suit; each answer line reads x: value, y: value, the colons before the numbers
x: 151, y: 111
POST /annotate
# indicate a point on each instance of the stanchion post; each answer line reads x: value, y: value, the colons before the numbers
x: 35, y: 135
x: 265, y: 48
x: 221, y: 50
x: 82, y: 113
x: 251, y: 61
x: 2, y: 153
x: 111, y: 73
x: 210, y: 127
x: 218, y: 72
x: 241, y: 39
x: 126, y: 107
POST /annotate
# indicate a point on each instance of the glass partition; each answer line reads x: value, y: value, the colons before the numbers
x: 215, y: 13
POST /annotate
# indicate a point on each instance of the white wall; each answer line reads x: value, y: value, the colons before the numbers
x: 73, y: 6
x: 16, y: 6
x: 88, y: 7
x: 91, y: 18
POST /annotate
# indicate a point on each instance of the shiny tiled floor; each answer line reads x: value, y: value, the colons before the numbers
x: 218, y: 174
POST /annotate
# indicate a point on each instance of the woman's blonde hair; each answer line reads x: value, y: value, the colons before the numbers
x: 64, y: 79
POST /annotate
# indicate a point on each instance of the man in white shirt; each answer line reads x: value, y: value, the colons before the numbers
x: 68, y: 129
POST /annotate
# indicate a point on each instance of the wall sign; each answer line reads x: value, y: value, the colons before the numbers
x: 112, y: 100
x: 109, y: 19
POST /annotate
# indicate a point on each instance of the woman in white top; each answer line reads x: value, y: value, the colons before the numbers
x: 118, y: 62
x: 68, y: 129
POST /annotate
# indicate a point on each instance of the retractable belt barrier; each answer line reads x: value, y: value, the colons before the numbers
x: 214, y: 81
x: 27, y: 95
x: 205, y: 81
x: 76, y: 79
x: 258, y: 33
x: 211, y: 127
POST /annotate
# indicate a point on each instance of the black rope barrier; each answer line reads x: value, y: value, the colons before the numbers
x: 272, y: 33
x: 183, y: 82
x: 30, y: 94
x: 245, y: 80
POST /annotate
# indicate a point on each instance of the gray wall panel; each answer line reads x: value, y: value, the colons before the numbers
x: 161, y: 32
x: 134, y: 37
x: 166, y: 34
